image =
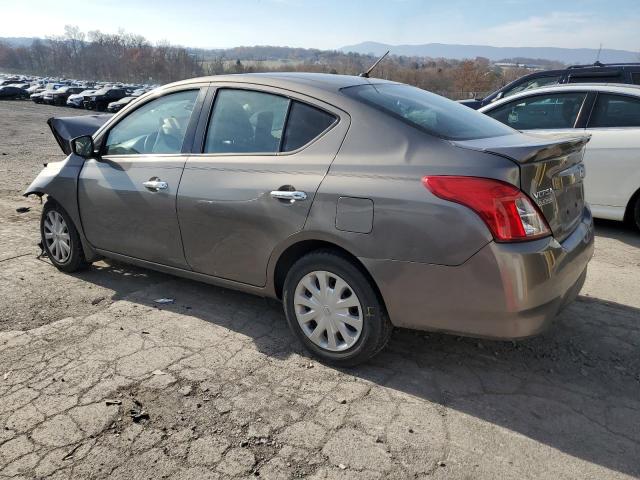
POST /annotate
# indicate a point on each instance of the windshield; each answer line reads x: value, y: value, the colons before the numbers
x: 530, y: 84
x: 431, y: 113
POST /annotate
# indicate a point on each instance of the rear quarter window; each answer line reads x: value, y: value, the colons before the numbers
x: 304, y: 124
x: 428, y: 112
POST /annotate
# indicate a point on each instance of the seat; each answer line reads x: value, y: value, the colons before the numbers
x: 264, y: 141
x: 569, y: 112
x: 231, y: 130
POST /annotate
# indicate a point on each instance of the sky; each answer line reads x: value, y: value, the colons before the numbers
x: 331, y: 24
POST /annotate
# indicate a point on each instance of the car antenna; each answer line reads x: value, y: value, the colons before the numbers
x: 366, y: 74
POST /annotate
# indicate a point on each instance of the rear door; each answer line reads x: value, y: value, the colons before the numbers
x: 127, y: 196
x: 263, y: 155
x: 613, y: 154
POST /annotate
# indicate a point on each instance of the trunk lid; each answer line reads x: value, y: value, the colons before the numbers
x: 66, y: 128
x: 551, y: 173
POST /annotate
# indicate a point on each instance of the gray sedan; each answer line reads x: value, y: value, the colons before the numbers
x: 362, y: 204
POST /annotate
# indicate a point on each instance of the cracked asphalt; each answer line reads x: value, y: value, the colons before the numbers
x: 97, y: 380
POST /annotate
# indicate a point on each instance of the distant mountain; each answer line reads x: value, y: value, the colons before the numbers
x: 442, y: 50
x: 17, y: 41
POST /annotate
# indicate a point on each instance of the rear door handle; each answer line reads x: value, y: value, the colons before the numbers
x: 155, y: 185
x: 291, y: 196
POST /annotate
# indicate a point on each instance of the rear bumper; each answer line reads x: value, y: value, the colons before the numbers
x: 504, y: 291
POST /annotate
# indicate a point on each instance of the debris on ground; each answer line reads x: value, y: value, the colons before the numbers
x: 164, y: 301
x: 186, y: 390
x: 113, y: 402
x: 137, y: 413
x: 158, y: 372
x: 23, y: 209
x: 71, y: 452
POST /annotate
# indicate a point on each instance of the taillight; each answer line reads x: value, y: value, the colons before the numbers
x: 507, y: 211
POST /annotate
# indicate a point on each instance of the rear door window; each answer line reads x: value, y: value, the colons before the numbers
x: 551, y: 111
x: 248, y: 121
x: 615, y: 111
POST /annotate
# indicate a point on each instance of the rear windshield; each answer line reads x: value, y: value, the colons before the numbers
x: 431, y: 113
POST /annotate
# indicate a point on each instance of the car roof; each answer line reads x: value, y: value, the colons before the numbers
x: 306, y: 83
x: 569, y: 87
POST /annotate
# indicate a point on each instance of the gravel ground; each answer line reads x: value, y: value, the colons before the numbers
x: 98, y: 381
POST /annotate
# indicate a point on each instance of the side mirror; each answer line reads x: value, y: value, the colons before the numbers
x: 83, y: 146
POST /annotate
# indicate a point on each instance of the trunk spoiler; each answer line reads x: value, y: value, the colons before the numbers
x: 528, y: 148
x: 66, y: 128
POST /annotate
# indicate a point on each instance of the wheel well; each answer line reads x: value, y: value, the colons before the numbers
x: 628, y: 213
x: 292, y: 254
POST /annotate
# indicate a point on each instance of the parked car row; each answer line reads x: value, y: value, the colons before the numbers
x: 623, y: 73
x: 71, y: 93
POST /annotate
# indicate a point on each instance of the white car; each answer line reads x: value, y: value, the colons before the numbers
x: 76, y: 99
x: 611, y: 114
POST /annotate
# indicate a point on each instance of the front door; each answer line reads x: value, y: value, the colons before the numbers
x: 263, y: 158
x: 127, y: 196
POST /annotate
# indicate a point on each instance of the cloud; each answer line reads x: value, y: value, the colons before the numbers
x: 566, y: 29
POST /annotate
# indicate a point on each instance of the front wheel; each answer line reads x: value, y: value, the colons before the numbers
x: 332, y: 307
x: 60, y: 239
x: 636, y: 213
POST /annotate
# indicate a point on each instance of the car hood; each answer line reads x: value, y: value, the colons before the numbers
x: 66, y: 128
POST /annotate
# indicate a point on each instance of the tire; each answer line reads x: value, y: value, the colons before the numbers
x: 55, y: 221
x: 636, y: 213
x: 331, y: 268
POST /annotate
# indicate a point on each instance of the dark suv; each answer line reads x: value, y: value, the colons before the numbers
x: 596, y: 73
x: 103, y: 97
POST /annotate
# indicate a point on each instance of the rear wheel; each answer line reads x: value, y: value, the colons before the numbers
x: 334, y: 310
x: 60, y: 239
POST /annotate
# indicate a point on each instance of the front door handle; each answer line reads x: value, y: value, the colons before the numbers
x: 155, y: 184
x: 287, y: 195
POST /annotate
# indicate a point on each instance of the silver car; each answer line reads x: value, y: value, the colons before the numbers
x: 362, y: 204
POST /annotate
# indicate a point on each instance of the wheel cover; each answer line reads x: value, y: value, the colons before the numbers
x: 328, y: 311
x: 56, y: 236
